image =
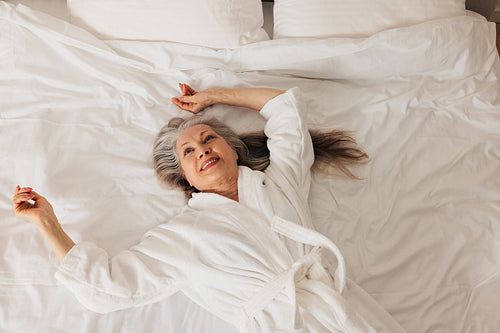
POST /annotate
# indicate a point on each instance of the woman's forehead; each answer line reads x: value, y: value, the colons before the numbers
x: 191, y: 133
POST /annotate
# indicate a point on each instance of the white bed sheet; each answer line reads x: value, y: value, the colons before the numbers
x: 420, y: 232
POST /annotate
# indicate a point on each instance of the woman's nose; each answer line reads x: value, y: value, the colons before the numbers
x: 207, y: 151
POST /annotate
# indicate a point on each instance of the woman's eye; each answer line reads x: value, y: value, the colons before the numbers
x: 187, y: 151
x: 209, y: 137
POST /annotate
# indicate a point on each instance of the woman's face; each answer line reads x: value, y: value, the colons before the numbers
x: 209, y: 163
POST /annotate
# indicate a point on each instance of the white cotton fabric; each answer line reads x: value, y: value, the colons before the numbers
x: 210, y: 23
x: 222, y: 253
x: 356, y: 18
x: 418, y: 232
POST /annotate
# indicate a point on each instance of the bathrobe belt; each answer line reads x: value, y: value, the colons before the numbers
x: 309, y: 266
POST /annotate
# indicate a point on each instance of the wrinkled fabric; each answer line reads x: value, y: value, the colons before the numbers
x: 418, y: 231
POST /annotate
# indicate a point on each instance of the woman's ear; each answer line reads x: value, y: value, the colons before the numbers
x: 183, y: 175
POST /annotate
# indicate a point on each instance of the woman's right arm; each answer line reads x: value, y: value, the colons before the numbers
x: 40, y: 212
x: 131, y: 278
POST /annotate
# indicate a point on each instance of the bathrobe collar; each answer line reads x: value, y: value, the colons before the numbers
x: 250, y: 184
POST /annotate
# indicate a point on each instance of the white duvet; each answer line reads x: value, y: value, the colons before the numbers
x: 420, y: 232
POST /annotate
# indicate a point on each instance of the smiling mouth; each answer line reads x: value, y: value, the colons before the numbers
x: 209, y: 163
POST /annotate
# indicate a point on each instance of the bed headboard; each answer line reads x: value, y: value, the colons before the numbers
x: 483, y: 7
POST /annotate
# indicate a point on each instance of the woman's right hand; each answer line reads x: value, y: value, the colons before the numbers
x: 38, y: 211
x: 194, y: 101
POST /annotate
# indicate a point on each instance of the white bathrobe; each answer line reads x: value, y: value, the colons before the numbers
x: 255, y: 263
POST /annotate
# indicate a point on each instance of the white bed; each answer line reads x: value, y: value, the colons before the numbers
x: 420, y: 232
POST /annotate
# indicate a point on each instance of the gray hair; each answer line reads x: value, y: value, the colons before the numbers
x: 334, y: 151
x: 166, y: 161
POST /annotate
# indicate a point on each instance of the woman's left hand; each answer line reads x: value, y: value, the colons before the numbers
x: 252, y: 98
x: 192, y: 100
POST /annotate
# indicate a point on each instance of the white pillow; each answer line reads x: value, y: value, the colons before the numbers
x: 356, y: 18
x: 210, y: 23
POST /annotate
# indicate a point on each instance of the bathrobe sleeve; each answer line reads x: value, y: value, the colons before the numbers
x: 131, y: 278
x: 289, y: 141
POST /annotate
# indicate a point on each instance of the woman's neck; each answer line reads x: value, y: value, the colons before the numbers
x: 230, y: 191
x: 228, y: 188
x: 232, y: 194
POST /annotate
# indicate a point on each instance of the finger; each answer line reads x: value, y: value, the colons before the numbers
x: 24, y: 194
x: 23, y: 197
x: 18, y: 188
x: 36, y: 196
x: 188, y: 99
x: 22, y: 208
x: 184, y: 106
x: 190, y: 90
x: 25, y: 190
x: 186, y: 90
x: 177, y: 102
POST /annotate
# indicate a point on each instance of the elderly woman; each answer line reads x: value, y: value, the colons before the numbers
x: 244, y: 247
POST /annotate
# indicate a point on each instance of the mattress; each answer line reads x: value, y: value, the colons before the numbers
x: 419, y: 230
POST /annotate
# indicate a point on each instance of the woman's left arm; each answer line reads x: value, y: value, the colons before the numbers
x: 289, y: 141
x: 252, y: 98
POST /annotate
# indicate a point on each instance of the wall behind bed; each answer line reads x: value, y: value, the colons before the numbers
x: 55, y: 8
x: 496, y: 18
